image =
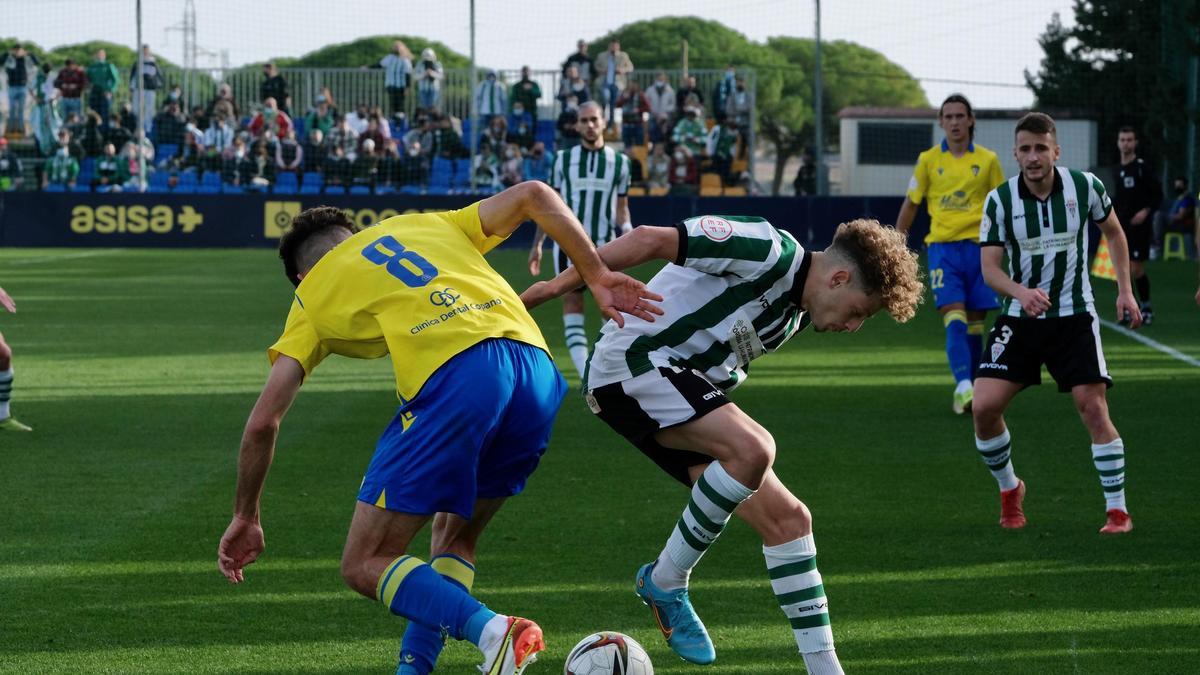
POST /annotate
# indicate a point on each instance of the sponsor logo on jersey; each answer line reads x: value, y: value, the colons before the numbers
x: 717, y: 229
x: 444, y: 297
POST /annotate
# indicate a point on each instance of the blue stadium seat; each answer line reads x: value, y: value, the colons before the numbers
x: 310, y: 189
x: 411, y: 190
x: 231, y: 189
x: 211, y: 178
x: 545, y: 133
x: 335, y: 190
x: 466, y: 130
x: 187, y: 183
x: 81, y: 186
x: 360, y: 189
x: 285, y: 183
x: 437, y: 190
x: 442, y: 175
x: 385, y: 189
x: 298, y: 124
x: 164, y: 152
x: 55, y: 187
x: 312, y: 178
x: 462, y: 172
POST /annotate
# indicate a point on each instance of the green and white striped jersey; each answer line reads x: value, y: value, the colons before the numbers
x: 590, y: 182
x: 1047, y: 241
x: 731, y: 295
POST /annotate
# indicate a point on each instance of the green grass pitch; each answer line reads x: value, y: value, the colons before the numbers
x: 138, y: 368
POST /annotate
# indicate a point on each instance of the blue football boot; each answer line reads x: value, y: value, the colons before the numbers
x: 684, y: 631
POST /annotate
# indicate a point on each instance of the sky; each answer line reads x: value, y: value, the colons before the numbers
x: 978, y: 48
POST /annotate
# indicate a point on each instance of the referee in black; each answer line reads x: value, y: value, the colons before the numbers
x: 1136, y: 195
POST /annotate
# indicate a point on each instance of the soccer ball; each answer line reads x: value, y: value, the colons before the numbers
x: 608, y: 653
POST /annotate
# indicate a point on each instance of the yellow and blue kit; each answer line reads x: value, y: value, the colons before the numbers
x: 477, y: 387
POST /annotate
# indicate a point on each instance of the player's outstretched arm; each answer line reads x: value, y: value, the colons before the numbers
x: 614, y: 292
x: 904, y: 219
x: 7, y: 302
x: 1033, y: 301
x: 243, y: 539
x: 1118, y: 249
x: 642, y: 244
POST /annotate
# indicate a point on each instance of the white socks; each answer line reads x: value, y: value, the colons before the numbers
x: 996, y: 453
x: 577, y: 344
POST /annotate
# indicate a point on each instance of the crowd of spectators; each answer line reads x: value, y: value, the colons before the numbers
x: 289, y: 145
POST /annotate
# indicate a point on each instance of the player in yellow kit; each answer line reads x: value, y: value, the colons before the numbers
x: 478, y: 396
x: 955, y: 177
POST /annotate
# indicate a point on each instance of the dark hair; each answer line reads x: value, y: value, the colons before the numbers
x: 1036, y: 123
x: 309, y: 224
x: 959, y: 98
x: 1128, y: 130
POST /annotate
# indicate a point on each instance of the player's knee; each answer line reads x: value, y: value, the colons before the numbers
x: 353, y: 573
x: 789, y: 523
x: 1093, y: 412
x: 5, y: 356
x: 756, y: 448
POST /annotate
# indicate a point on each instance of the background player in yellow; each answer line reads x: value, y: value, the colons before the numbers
x: 478, y: 393
x: 955, y: 177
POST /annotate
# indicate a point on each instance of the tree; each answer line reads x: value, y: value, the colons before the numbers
x: 1118, y: 64
x: 367, y: 51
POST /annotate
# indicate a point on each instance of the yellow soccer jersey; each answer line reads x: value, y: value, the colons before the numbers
x: 413, y: 286
x: 956, y: 188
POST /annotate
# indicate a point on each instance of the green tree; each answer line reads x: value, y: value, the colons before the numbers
x: 367, y: 52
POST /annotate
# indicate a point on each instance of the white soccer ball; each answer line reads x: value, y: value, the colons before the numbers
x: 608, y: 653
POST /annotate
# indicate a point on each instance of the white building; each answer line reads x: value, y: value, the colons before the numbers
x: 879, y: 146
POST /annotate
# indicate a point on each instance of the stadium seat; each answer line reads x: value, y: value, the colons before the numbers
x: 411, y: 190
x: 442, y: 175
x: 164, y: 152
x: 312, y: 178
x: 285, y: 183
x: 81, y: 186
x: 466, y: 131
x: 638, y: 152
x: 710, y: 181
x: 462, y: 172
x: 737, y: 166
x: 298, y: 126
x: 438, y: 189
x: 360, y: 189
x: 231, y: 189
x: 659, y: 191
x: 335, y: 190
x: 735, y: 191
x: 385, y: 189
x: 187, y: 183
x: 310, y: 189
x: 55, y: 187
x: 637, y: 191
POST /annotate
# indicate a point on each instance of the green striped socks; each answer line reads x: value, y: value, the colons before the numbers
x: 997, y: 454
x: 577, y: 343
x: 714, y: 497
x: 801, y: 594
x: 1109, y: 459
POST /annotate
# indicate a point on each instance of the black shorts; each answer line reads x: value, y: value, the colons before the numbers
x: 1069, y: 346
x: 1138, y: 237
x: 640, y: 407
x: 562, y: 262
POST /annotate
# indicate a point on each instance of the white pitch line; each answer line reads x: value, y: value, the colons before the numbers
x: 1153, y: 344
x: 66, y: 256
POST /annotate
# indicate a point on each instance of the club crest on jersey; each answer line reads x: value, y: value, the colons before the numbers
x: 717, y: 229
x: 974, y: 169
x: 997, y: 350
x: 1072, y: 206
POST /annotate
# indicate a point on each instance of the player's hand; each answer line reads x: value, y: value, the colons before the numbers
x: 537, y: 294
x: 1128, y: 307
x: 535, y: 260
x: 1034, y: 301
x: 7, y: 301
x: 616, y: 292
x: 1140, y: 217
x: 240, y: 545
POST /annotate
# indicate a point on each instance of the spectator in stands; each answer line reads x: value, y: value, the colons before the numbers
x: 573, y: 84
x: 486, y: 167
x: 320, y: 117
x: 568, y: 121
x: 271, y: 123
x: 337, y: 166
x: 690, y: 132
x: 429, y: 80
x: 169, y: 125
x: 419, y: 134
x: 688, y: 96
x: 289, y: 156
x: 737, y: 105
x: 512, y: 168
x: 1182, y: 216
x: 314, y: 150
x: 722, y: 90
x: 45, y: 121
x: 149, y: 85
x: 538, y: 163
x: 634, y: 108
x: 612, y: 70
x: 66, y: 140
x: 397, y: 71
x: 61, y: 169
x: 132, y: 166
x: 372, y: 134
x: 581, y: 62
x: 806, y: 176
x: 70, y: 82
x: 358, y: 118
x: 683, y: 172
x: 446, y: 141
x: 721, y: 147
x: 658, y: 168
x: 199, y: 118
x: 491, y: 99
x: 232, y: 161
x: 662, y: 107
x: 521, y: 129
x: 333, y: 107
x: 74, y: 124
x: 223, y: 105
x: 496, y: 136
x: 103, y: 78
x: 414, y: 166
x: 344, y: 137
x: 21, y: 68
x: 260, y: 170
x: 190, y: 129
x: 365, y: 168
x: 188, y: 156
x: 129, y: 118
x: 219, y: 135
x: 115, y: 133
x: 92, y: 136
x: 389, y: 163
x: 385, y: 127
x: 111, y: 172
x: 274, y: 86
x: 525, y: 94
x: 11, y: 176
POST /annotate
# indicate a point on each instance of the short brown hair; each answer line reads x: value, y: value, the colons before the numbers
x: 1036, y: 123
x: 307, y: 239
x: 886, y: 266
